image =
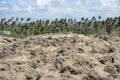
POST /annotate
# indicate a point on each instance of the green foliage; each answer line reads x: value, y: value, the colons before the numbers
x: 19, y: 27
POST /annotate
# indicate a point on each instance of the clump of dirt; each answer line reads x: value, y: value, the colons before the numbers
x: 60, y: 57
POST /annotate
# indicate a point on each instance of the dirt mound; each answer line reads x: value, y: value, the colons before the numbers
x: 60, y: 57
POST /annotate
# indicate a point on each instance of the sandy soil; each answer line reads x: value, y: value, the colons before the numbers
x: 60, y: 57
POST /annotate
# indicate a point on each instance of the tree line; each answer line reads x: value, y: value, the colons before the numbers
x: 24, y: 27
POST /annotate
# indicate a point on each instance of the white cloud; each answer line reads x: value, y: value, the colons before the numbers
x: 104, y: 8
x: 42, y: 3
x: 109, y: 3
x: 16, y: 8
x: 29, y: 9
x: 3, y: 2
x: 3, y: 8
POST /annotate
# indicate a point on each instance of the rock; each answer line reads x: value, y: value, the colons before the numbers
x: 71, y: 70
x: 4, y: 67
x: 92, y: 75
x: 110, y: 69
x: 118, y: 67
x: 106, y: 59
x: 111, y: 50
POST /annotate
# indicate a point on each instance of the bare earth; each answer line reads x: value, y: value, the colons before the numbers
x: 60, y: 57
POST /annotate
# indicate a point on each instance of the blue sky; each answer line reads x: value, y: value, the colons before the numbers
x: 50, y: 9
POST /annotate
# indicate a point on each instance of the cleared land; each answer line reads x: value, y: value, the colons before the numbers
x: 60, y: 57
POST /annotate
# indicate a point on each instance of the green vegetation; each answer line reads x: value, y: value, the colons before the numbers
x: 19, y: 27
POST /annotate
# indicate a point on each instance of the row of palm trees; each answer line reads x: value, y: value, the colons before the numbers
x: 24, y: 27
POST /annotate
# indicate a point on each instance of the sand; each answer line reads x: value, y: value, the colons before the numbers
x: 60, y: 57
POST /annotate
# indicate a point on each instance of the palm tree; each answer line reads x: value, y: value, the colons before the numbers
x: 99, y: 17
x: 17, y: 19
x: 93, y: 19
x: 109, y: 25
x: 82, y: 19
x: 22, y: 19
x: 12, y: 18
x: 28, y: 19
